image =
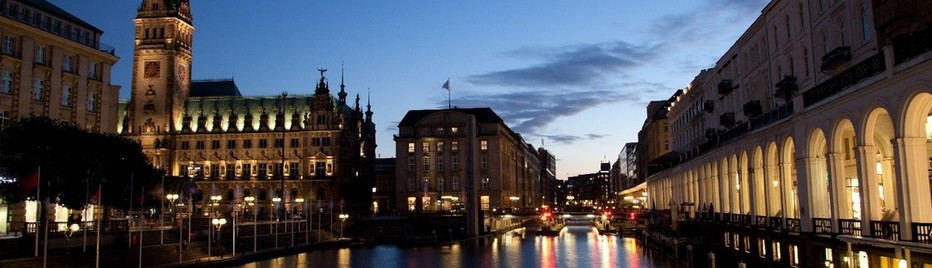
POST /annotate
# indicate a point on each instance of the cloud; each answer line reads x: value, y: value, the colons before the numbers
x: 529, y: 111
x: 702, y: 24
x: 579, y: 65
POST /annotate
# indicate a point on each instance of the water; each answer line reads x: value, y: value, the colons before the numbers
x: 575, y: 247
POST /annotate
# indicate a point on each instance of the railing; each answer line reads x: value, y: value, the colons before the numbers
x: 838, y: 83
x: 60, y: 226
x: 726, y: 217
x: 836, y: 57
x: 776, y: 223
x: 772, y: 116
x: 106, y: 49
x: 745, y: 220
x: 849, y: 227
x: 922, y: 232
x: 792, y: 225
x: 822, y: 226
x: 761, y: 221
x: 904, y: 48
x: 889, y: 230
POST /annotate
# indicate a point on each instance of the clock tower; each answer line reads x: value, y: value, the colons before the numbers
x: 161, y: 73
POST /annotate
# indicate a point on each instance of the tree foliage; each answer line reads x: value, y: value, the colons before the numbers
x: 73, y: 162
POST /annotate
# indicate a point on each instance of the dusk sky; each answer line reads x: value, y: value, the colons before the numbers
x: 575, y: 75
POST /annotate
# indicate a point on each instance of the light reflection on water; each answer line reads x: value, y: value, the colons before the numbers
x: 574, y: 247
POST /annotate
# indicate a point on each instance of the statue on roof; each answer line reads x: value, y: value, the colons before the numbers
x: 322, y: 71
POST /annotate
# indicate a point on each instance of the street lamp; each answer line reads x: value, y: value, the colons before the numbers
x: 74, y: 227
x: 249, y: 201
x: 171, y: 200
x: 307, y: 228
x: 218, y: 223
x: 513, y: 200
x: 342, y: 220
x: 214, y: 200
x: 275, y: 200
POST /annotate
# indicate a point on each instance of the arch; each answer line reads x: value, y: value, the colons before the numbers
x: 743, y: 180
x: 879, y: 166
x: 759, y: 184
x: 772, y: 176
x: 790, y: 179
x: 819, y: 177
x: 916, y: 156
x: 724, y: 185
x: 845, y: 178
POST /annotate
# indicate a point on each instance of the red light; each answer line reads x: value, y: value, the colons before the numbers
x: 631, y: 216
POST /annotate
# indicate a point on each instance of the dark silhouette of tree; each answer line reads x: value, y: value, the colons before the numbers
x: 73, y: 162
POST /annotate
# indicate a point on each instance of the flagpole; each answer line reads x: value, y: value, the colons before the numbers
x: 129, y: 219
x: 162, y: 213
x: 39, y: 210
x: 141, y: 205
x: 45, y: 251
x: 84, y: 211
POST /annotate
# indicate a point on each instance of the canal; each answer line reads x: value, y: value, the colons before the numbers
x: 574, y: 246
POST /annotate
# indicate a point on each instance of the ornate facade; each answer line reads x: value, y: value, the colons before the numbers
x: 311, y: 147
x: 809, y: 143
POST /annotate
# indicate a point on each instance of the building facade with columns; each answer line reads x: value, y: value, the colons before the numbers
x: 302, y: 147
x: 809, y: 142
x: 53, y: 65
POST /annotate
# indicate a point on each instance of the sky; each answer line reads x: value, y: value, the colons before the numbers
x: 572, y: 77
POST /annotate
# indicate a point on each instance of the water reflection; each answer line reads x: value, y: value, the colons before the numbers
x: 573, y: 247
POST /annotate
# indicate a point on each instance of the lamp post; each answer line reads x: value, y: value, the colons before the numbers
x: 275, y: 200
x: 171, y: 200
x: 342, y: 220
x: 513, y: 200
x: 249, y: 201
x: 214, y: 200
x: 74, y: 227
x: 218, y: 222
x: 300, y: 202
x: 282, y: 169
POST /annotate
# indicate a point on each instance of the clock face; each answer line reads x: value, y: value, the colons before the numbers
x: 152, y: 69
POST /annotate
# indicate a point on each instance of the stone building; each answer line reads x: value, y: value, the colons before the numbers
x: 53, y: 65
x: 809, y: 140
x: 306, y: 147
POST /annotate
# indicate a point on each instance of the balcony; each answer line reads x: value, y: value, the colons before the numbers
x: 889, y: 230
x: 822, y: 226
x: 849, y: 227
x: 727, y: 119
x: 752, y: 109
x: 708, y: 106
x: 725, y: 87
x: 835, y: 58
x: 867, y: 68
x: 914, y: 44
x: 786, y: 88
x: 922, y: 233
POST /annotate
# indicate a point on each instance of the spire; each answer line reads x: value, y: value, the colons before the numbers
x: 368, y: 106
x: 322, y: 86
x: 358, y: 110
x: 163, y: 8
x: 342, y: 93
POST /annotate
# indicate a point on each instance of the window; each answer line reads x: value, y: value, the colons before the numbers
x: 6, y: 82
x: 4, y: 118
x: 806, y: 62
x: 293, y: 169
x: 247, y: 144
x: 263, y: 143
x: 185, y: 145
x: 786, y: 23
x: 68, y: 63
x: 230, y: 171
x: 315, y: 141
x: 485, y: 184
x: 439, y: 163
x: 794, y: 255
x: 411, y: 185
x: 484, y: 202
x: 440, y: 184
x: 425, y: 146
x: 440, y: 146
x: 455, y: 183
x: 199, y: 145
x: 456, y: 162
x: 326, y: 141
x: 426, y: 162
x: 92, y: 71
x: 777, y: 256
x: 295, y: 143
x: 484, y: 145
x: 247, y: 170
x: 279, y: 143
x: 320, y: 168
x: 66, y: 96
x: 454, y: 146
x: 37, y: 90
x: 485, y: 162
x: 9, y: 45
x: 454, y: 130
x: 40, y: 54
x: 215, y: 144
x: 762, y: 247
x: 231, y: 144
x: 412, y: 202
x: 411, y: 164
x: 426, y: 185
x: 841, y: 34
x: 263, y: 170
x: 865, y: 24
x: 410, y: 147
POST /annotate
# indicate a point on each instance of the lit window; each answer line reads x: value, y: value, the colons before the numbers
x: 426, y: 162
x: 410, y: 147
x: 412, y: 201
x: 440, y: 146
x: 484, y: 202
x: 425, y: 146
x: 454, y: 146
x: 484, y: 145
x: 776, y: 251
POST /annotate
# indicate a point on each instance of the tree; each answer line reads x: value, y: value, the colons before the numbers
x: 73, y: 163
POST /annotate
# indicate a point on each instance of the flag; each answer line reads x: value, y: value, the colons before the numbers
x: 95, y: 198
x: 446, y: 85
x: 30, y: 182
